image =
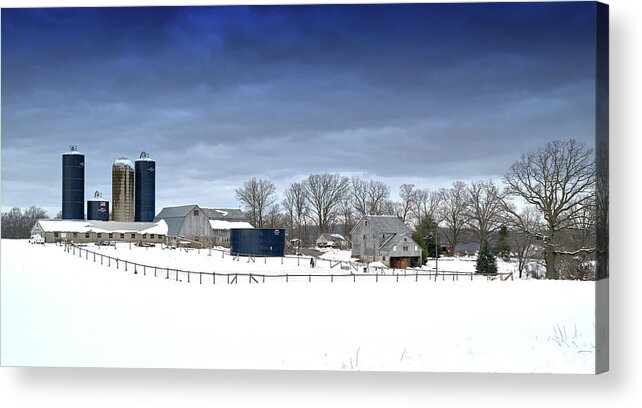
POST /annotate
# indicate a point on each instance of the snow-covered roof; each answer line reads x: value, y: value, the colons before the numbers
x: 123, y: 162
x: 330, y: 237
x: 82, y: 226
x: 63, y: 225
x: 227, y: 225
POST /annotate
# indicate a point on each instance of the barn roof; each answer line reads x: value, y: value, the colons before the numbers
x: 227, y: 214
x: 81, y: 226
x: 172, y: 212
x: 384, y: 223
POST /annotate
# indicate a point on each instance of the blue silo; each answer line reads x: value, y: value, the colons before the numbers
x: 257, y: 241
x: 97, y: 208
x: 145, y: 189
x: 73, y: 184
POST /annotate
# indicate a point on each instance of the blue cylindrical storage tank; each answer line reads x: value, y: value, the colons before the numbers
x: 257, y: 241
x: 73, y: 185
x: 145, y: 189
x: 97, y: 208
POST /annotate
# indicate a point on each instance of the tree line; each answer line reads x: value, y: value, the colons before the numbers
x: 547, y: 197
x: 17, y: 224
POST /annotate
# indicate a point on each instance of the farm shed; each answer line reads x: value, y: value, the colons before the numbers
x: 95, y: 231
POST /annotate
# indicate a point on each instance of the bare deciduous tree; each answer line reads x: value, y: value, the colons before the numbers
x: 526, y: 223
x: 324, y: 192
x: 559, y: 181
x: 453, y: 211
x: 484, y: 209
x: 296, y: 206
x: 407, y: 195
x: 369, y: 196
x: 426, y: 204
x: 257, y: 196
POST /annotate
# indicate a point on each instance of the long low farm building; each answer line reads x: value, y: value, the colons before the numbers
x: 94, y: 231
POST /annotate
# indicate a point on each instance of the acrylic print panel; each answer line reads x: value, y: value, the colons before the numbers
x: 401, y: 187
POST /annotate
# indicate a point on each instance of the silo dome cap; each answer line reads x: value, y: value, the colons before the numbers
x: 73, y: 149
x: 144, y: 156
x: 123, y: 162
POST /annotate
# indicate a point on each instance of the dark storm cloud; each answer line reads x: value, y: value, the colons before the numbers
x: 220, y: 94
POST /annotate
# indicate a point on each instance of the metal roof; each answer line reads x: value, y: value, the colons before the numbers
x: 385, y: 224
x: 173, y: 212
x: 159, y: 227
x: 395, y: 239
x: 226, y: 214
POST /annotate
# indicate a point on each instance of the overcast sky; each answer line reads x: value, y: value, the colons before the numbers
x: 426, y: 94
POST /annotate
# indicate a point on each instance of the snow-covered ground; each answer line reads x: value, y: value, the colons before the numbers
x: 62, y: 310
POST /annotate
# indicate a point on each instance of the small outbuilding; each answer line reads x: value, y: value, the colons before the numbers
x: 327, y: 240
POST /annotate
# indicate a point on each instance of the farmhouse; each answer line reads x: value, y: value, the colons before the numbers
x: 386, y: 239
x: 81, y: 231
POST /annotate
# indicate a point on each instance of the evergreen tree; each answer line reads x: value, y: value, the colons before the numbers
x: 502, y: 249
x: 486, y: 261
x: 425, y: 235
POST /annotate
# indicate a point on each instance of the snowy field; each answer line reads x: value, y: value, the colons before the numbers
x: 62, y: 310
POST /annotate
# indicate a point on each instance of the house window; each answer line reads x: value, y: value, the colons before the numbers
x: 415, y: 248
x: 56, y: 235
x: 99, y: 235
x: 195, y: 212
x: 144, y: 236
x: 133, y: 236
x: 394, y: 248
x: 366, y: 223
x: 405, y: 248
x: 151, y: 236
x: 364, y: 236
x: 122, y: 236
x: 111, y: 235
x: 86, y: 235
